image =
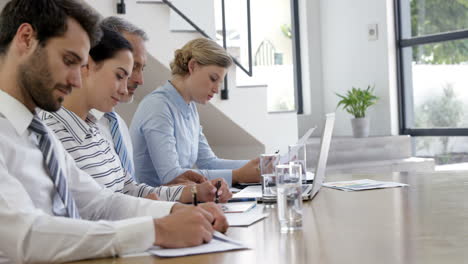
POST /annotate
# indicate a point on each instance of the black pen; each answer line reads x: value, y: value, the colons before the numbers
x: 218, y: 185
x: 194, y: 195
x: 269, y: 160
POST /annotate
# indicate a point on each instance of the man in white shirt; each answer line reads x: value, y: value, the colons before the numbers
x: 50, y: 211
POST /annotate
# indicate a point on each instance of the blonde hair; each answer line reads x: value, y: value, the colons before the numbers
x: 203, y: 51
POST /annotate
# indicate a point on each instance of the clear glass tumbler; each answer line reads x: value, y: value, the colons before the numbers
x: 298, y: 154
x: 268, y: 163
x: 289, y: 196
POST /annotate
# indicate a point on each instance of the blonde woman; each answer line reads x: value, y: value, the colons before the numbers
x: 166, y: 131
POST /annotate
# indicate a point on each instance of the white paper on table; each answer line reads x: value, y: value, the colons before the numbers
x: 254, y: 191
x: 234, y: 190
x: 285, y: 157
x: 364, y: 184
x: 247, y: 218
x: 310, y: 176
x: 238, y: 207
x: 219, y: 243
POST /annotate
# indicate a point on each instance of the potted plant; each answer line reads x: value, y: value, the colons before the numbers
x: 356, y: 101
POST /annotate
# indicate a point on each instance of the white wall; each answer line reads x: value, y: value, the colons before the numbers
x: 349, y: 59
x: 202, y: 14
x: 247, y: 107
x: 154, y: 19
x: 311, y: 60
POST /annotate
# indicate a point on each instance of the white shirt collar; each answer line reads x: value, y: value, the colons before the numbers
x: 96, y: 114
x: 18, y: 114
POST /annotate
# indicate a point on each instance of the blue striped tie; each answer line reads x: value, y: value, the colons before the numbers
x: 118, y: 143
x: 63, y: 203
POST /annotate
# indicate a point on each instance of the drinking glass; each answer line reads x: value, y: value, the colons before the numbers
x: 297, y: 154
x: 268, y: 163
x: 289, y: 196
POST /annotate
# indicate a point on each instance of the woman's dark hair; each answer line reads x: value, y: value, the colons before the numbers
x: 49, y: 19
x: 110, y: 44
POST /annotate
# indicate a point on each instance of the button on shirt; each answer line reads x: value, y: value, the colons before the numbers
x: 96, y: 155
x: 30, y: 232
x: 168, y: 140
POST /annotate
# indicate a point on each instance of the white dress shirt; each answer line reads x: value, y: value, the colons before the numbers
x: 30, y: 232
x: 104, y: 126
x: 96, y: 155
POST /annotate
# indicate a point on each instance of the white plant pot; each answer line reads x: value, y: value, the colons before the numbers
x: 360, y: 127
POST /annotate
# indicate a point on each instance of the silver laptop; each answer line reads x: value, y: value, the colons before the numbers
x: 308, y: 190
x: 323, y: 155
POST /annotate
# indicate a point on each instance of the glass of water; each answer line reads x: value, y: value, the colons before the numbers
x: 297, y: 153
x: 289, y: 194
x: 268, y: 163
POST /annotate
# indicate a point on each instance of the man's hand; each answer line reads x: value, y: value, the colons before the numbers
x: 187, y: 178
x: 186, y: 226
x: 220, y: 222
x: 248, y: 173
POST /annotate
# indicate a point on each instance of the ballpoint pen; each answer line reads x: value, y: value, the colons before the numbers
x: 218, y: 185
x: 194, y: 195
x: 270, y: 160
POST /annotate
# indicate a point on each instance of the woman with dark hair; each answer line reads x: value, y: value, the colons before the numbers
x: 104, y: 83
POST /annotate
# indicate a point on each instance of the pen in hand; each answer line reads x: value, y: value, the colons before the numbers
x: 270, y: 159
x: 218, y: 185
x: 194, y: 195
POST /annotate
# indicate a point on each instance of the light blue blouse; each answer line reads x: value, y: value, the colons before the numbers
x: 168, y: 140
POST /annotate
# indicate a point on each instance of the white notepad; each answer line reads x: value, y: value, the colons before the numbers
x: 219, y: 243
x: 248, y: 218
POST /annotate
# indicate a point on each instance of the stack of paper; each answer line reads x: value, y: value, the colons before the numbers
x: 359, y: 185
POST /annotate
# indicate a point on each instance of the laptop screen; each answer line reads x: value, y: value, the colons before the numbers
x: 323, y: 154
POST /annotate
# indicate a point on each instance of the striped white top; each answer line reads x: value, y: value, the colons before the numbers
x: 95, y: 155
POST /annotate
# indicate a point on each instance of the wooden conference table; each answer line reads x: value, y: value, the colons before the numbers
x: 426, y: 222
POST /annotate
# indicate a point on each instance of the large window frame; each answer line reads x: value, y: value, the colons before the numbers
x: 296, y: 58
x: 405, y: 90
x: 295, y: 26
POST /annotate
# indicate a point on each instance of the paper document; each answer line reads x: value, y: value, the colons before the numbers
x: 364, y: 184
x: 219, y: 243
x: 238, y: 207
x: 234, y: 190
x: 249, y: 192
x: 285, y: 157
x: 248, y: 218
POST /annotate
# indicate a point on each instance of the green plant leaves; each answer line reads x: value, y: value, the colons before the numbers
x: 356, y: 101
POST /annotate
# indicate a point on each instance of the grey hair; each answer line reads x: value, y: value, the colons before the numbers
x: 123, y: 26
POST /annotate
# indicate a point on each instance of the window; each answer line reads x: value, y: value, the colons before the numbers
x: 432, y: 45
x: 274, y: 53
